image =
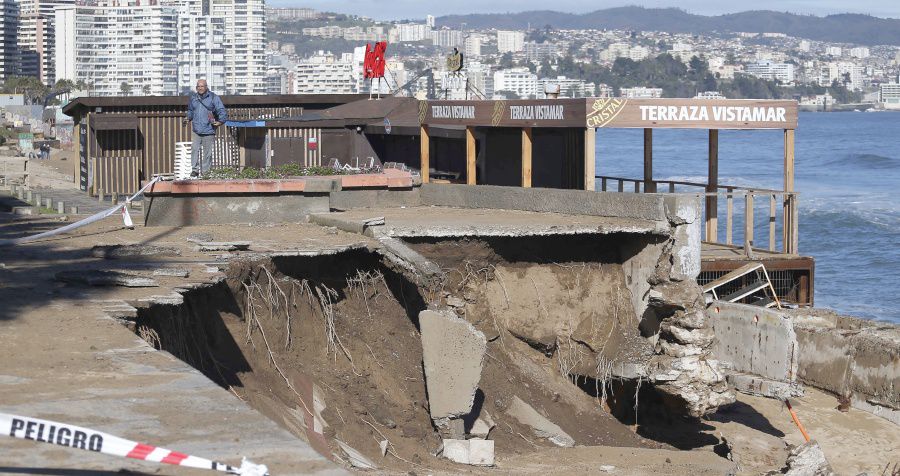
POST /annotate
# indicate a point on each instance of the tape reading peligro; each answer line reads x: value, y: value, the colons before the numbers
x: 77, y: 437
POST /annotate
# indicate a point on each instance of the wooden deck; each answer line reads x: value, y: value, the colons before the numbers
x: 793, y: 275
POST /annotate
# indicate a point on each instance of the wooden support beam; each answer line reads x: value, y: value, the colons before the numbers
x: 470, y: 156
x: 424, y: 152
x: 748, y: 220
x: 590, y: 159
x: 649, y: 186
x: 790, y: 230
x: 527, y: 139
x: 712, y: 186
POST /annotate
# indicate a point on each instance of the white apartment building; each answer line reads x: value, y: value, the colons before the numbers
x: 447, y: 38
x: 770, y: 71
x: 804, y: 46
x: 201, y: 52
x: 429, y: 21
x: 859, y: 52
x: 413, y: 31
x: 64, y: 50
x: 640, y: 92
x: 36, y: 38
x: 568, y: 87
x: 539, y: 51
x: 624, y: 50
x: 844, y: 73
x: 472, y: 46
x: 245, y: 44
x: 604, y: 91
x: 328, y: 31
x: 134, y: 45
x: 510, y: 41
x: 889, y: 95
x: 520, y: 81
x: 323, y: 73
x: 833, y: 50
x: 292, y: 13
x: 9, y: 31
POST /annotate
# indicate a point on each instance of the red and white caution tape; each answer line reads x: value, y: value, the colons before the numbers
x: 72, y: 436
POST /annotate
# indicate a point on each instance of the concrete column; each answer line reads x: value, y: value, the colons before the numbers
x: 29, y: 195
x: 73, y: 210
x: 100, y: 196
x: 61, y: 207
x: 36, y: 199
x: 48, y: 203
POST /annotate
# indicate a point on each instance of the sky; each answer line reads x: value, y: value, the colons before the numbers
x: 415, y: 9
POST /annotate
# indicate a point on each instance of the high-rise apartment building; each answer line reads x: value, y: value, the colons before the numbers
x: 9, y: 31
x: 447, y: 38
x: 245, y: 44
x: 520, y: 81
x: 124, y: 49
x: 768, y: 70
x: 201, y: 52
x: 37, y: 38
x: 510, y: 41
x: 324, y: 73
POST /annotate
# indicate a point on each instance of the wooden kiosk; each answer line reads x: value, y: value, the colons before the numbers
x: 574, y: 123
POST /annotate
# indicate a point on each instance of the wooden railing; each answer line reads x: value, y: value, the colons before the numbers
x: 747, y: 214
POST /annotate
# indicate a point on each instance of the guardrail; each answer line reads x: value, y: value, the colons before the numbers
x: 789, y: 217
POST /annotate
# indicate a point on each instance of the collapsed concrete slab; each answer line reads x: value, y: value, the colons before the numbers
x: 760, y: 347
x: 855, y: 359
x: 474, y: 452
x: 544, y: 428
x: 453, y: 356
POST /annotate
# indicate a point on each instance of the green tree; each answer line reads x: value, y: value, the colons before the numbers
x: 32, y: 88
x: 506, y: 61
x: 146, y: 90
x: 125, y: 88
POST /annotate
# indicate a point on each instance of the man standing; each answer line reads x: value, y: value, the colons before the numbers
x: 206, y: 112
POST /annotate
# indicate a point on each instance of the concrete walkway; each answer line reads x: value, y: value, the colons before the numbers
x: 65, y: 359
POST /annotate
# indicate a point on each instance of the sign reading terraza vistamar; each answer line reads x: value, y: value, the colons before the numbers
x: 615, y: 112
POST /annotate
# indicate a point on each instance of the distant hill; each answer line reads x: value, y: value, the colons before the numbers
x: 843, y: 28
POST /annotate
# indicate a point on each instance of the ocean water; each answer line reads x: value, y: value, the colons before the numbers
x: 847, y: 171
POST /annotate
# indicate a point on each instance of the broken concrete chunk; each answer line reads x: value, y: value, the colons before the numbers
x: 483, y: 425
x: 175, y: 272
x: 453, y: 356
x: 763, y: 387
x: 542, y: 427
x: 456, y: 450
x: 105, y: 278
x: 200, y: 237
x: 223, y: 246
x: 481, y: 452
x: 356, y: 459
x: 808, y: 460
x: 455, y: 302
x: 131, y: 251
x: 473, y: 452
